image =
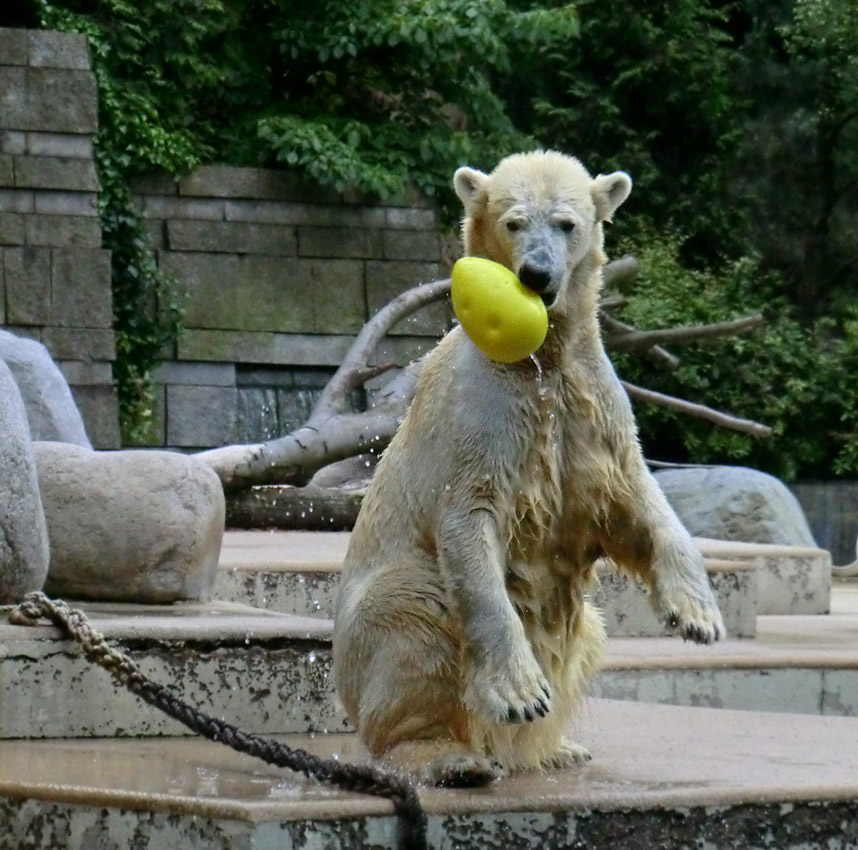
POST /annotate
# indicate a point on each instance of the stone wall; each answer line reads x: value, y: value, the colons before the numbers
x: 54, y: 275
x: 831, y: 508
x: 279, y: 277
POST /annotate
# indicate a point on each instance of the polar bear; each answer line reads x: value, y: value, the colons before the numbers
x: 463, y: 637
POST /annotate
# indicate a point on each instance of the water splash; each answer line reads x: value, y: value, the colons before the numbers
x: 540, y: 376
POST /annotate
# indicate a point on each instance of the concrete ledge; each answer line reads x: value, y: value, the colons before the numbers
x: 267, y: 673
x: 791, y: 579
x: 628, y: 613
x: 696, y: 778
x: 298, y: 572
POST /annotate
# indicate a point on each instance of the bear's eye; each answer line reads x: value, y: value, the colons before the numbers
x: 566, y: 225
x: 514, y: 225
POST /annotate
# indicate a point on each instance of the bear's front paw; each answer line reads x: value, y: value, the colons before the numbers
x: 695, y: 620
x: 516, y: 692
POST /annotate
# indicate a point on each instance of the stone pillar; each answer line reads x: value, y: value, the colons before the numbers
x: 54, y: 274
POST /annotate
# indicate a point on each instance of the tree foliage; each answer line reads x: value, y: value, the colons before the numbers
x: 738, y: 122
x: 798, y: 379
x: 370, y: 95
x: 649, y: 89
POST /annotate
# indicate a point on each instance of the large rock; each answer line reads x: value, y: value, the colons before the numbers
x: 130, y: 526
x: 735, y: 503
x: 23, y: 533
x: 51, y: 410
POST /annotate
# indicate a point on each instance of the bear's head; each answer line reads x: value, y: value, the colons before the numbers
x: 539, y: 214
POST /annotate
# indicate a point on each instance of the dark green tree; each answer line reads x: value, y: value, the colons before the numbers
x: 822, y: 40
x: 649, y: 88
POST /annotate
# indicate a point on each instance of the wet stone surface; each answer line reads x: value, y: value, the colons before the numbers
x: 34, y: 825
x: 310, y: 593
x: 700, y: 778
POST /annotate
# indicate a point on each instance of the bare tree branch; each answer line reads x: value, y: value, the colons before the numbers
x: 612, y: 302
x: 333, y: 432
x: 620, y: 270
x: 631, y: 339
x: 334, y: 398
x: 618, y: 331
x: 725, y: 420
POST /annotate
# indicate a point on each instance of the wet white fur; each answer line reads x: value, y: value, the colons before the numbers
x: 462, y: 601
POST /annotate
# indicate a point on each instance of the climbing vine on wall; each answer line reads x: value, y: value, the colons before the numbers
x: 132, y: 138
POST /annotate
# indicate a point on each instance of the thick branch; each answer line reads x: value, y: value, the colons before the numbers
x: 331, y: 432
x: 618, y: 330
x: 355, y: 365
x: 294, y: 458
x: 305, y: 508
x: 620, y: 270
x: 612, y: 302
x: 698, y: 410
x: 631, y: 339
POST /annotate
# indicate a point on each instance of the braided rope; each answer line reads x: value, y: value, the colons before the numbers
x: 363, y: 779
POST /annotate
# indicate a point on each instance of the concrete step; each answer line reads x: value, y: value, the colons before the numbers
x: 790, y: 579
x: 627, y: 610
x: 263, y: 671
x: 268, y: 672
x: 661, y: 776
x: 298, y: 572
x: 804, y: 664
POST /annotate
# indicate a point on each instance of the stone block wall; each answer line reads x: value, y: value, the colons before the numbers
x: 278, y: 277
x: 54, y: 274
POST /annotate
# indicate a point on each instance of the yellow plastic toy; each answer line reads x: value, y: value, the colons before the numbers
x: 503, y: 318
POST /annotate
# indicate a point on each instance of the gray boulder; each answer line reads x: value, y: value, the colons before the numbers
x: 51, y: 410
x: 23, y: 533
x: 130, y: 526
x: 736, y: 503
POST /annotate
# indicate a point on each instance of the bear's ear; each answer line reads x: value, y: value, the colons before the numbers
x: 608, y: 192
x: 470, y: 186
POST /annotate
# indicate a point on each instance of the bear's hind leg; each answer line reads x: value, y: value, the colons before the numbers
x: 567, y: 754
x: 586, y: 646
x: 409, y: 697
x: 442, y: 762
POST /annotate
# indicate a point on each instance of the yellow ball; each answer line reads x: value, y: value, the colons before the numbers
x: 503, y: 318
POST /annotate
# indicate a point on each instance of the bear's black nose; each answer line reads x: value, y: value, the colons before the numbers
x: 535, y: 277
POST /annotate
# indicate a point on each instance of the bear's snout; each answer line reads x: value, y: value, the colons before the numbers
x: 538, y: 276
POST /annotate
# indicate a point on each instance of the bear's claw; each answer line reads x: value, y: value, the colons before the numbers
x: 568, y: 754
x: 463, y: 771
x: 704, y: 627
x: 507, y: 698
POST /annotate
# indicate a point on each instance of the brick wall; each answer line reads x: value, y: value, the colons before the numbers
x: 54, y: 275
x: 278, y: 276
